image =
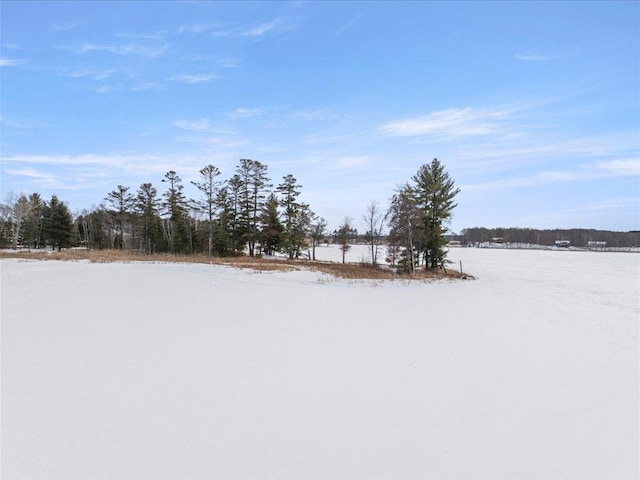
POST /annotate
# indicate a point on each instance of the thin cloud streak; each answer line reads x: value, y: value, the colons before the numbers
x: 455, y: 122
x: 532, y: 57
x: 200, y: 125
x: 245, y: 113
x: 194, y: 78
x: 120, y: 50
x: 597, y: 170
x: 12, y: 62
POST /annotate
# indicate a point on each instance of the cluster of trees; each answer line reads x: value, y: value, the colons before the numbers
x: 419, y: 215
x: 229, y: 217
x: 244, y: 213
x: 35, y: 222
x: 577, y: 237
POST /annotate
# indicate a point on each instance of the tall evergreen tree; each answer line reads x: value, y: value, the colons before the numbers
x: 147, y: 207
x: 34, y: 222
x: 255, y: 183
x: 403, y: 224
x: 209, y: 187
x: 176, y: 226
x: 121, y: 202
x: 435, y: 194
x: 20, y: 213
x: 294, y: 213
x: 58, y: 226
x: 223, y: 240
x: 237, y: 227
x: 272, y: 237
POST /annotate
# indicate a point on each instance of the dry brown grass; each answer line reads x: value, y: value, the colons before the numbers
x: 354, y: 271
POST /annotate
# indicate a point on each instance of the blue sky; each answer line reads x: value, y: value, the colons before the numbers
x: 533, y: 107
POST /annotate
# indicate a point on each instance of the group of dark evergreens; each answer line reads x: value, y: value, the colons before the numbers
x: 242, y: 215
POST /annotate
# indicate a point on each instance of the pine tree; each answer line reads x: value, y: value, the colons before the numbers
x: 434, y: 194
x: 176, y: 226
x: 147, y: 207
x: 296, y: 215
x: 209, y: 187
x: 344, y: 231
x: 34, y: 222
x: 236, y: 225
x: 222, y: 237
x: 272, y: 237
x: 403, y: 223
x: 255, y: 183
x: 20, y: 212
x: 121, y: 201
x: 58, y: 226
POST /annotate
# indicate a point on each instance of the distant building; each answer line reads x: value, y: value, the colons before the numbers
x: 563, y: 243
x: 596, y: 245
x: 497, y: 240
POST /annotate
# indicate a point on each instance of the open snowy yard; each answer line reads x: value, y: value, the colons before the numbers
x: 170, y: 371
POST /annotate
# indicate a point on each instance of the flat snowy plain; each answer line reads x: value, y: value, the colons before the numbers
x: 172, y: 371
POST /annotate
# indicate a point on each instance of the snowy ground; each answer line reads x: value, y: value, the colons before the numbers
x: 166, y: 371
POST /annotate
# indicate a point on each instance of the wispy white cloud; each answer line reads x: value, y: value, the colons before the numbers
x: 245, y: 113
x: 29, y: 172
x: 584, y: 214
x: 20, y: 125
x: 260, y: 29
x: 532, y: 57
x: 145, y: 86
x: 65, y: 26
x: 12, y: 62
x: 348, y: 163
x: 121, y: 50
x: 11, y: 46
x: 280, y: 25
x: 200, y: 125
x: 103, y: 89
x: 455, y: 122
x: 195, y: 78
x: 96, y: 74
x: 349, y: 24
x: 228, y: 62
x: 320, y: 115
x: 621, y: 167
x: 142, y: 36
x: 585, y: 172
x: 198, y: 28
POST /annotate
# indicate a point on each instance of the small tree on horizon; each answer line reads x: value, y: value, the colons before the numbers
x: 317, y: 232
x: 375, y: 219
x: 344, y: 231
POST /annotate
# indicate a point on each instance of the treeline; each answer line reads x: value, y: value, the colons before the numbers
x: 578, y: 237
x: 244, y: 214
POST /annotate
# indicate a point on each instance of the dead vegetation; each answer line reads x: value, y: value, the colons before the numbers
x: 352, y: 271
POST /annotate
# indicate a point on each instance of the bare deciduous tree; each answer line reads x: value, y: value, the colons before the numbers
x: 375, y: 219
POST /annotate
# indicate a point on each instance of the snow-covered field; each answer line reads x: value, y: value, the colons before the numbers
x: 168, y: 371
